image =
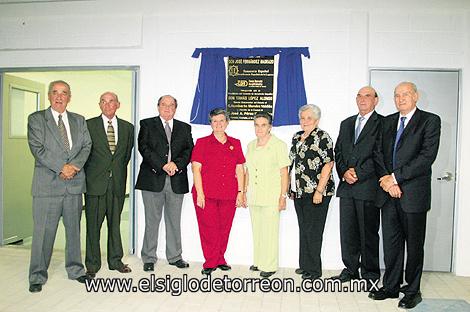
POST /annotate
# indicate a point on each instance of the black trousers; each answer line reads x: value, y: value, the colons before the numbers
x: 400, y: 227
x: 311, y: 219
x: 96, y: 209
x: 359, y: 230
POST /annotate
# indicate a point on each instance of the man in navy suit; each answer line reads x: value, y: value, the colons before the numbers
x: 165, y: 145
x: 404, y: 154
x: 359, y: 216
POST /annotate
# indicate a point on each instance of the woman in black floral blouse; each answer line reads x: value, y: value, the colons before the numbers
x: 312, y: 186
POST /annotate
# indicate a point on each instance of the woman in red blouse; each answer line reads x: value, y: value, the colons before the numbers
x: 217, y: 162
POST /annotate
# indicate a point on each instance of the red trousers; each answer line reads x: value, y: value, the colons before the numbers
x: 215, y: 223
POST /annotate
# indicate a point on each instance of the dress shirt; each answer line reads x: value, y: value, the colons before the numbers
x: 408, y: 118
x: 366, y: 117
x: 115, y: 126
x: 65, y: 119
x: 170, y: 123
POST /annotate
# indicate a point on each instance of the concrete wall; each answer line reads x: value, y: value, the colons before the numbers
x: 345, y: 38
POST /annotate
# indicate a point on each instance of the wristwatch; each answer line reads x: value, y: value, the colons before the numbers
x: 286, y: 195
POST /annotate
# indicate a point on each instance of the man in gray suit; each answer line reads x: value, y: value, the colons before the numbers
x: 60, y: 143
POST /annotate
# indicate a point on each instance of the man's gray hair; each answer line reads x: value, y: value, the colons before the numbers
x: 53, y: 83
x: 411, y: 84
x: 316, y: 111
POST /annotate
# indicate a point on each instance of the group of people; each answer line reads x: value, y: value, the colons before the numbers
x: 384, y: 166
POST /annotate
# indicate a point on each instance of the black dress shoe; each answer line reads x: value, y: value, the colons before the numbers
x: 345, y: 276
x: 180, y: 264
x: 224, y: 267
x: 254, y: 268
x: 82, y: 279
x: 91, y: 274
x: 148, y: 267
x: 311, y: 276
x: 410, y: 301
x: 123, y: 269
x: 299, y: 271
x: 382, y: 294
x: 208, y: 271
x: 266, y: 274
x: 34, y: 288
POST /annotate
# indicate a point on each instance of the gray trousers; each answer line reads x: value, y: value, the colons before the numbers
x: 153, y: 204
x: 46, y: 214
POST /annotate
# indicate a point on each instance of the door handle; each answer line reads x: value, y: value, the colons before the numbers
x: 446, y: 177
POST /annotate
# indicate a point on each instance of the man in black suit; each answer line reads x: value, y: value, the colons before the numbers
x: 404, y: 153
x: 359, y: 216
x: 165, y: 145
x: 106, y: 177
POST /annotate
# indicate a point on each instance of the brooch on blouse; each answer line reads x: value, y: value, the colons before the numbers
x: 231, y: 147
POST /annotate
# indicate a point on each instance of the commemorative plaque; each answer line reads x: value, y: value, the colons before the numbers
x: 249, y: 86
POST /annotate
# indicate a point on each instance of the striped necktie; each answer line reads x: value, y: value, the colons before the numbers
x: 111, y: 137
x: 63, y: 133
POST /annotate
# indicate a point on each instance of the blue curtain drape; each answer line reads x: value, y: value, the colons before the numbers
x: 211, y: 87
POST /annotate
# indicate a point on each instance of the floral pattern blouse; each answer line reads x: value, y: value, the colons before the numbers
x: 309, y: 157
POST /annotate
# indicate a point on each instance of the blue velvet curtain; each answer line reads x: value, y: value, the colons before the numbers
x: 211, y: 86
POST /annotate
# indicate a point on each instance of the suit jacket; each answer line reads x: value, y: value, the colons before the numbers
x: 50, y: 156
x: 154, y: 147
x: 359, y: 156
x: 102, y: 163
x: 416, y: 152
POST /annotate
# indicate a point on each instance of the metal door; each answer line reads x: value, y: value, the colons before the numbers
x: 439, y: 93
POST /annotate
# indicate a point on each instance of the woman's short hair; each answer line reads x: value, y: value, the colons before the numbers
x: 264, y: 115
x: 218, y: 111
x: 316, y: 111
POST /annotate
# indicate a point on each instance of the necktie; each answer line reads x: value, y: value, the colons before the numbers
x: 168, y: 136
x: 397, y: 139
x: 63, y: 133
x: 358, y: 129
x: 111, y: 137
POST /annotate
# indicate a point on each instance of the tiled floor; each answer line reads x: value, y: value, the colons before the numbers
x: 61, y: 294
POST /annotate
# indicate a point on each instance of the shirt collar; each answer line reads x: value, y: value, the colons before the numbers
x: 366, y: 116
x: 214, y: 139
x: 170, y: 122
x: 409, y: 115
x: 56, y: 114
x: 106, y: 119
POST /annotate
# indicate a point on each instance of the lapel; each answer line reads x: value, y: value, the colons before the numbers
x: 73, y: 124
x: 51, y: 124
x: 392, y: 130
x: 367, y: 127
x: 173, y: 132
x: 101, y: 133
x: 121, y: 136
x: 410, y: 127
x: 414, y: 121
x: 351, y: 129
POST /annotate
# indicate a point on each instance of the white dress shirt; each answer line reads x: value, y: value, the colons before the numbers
x: 115, y: 126
x: 65, y: 119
